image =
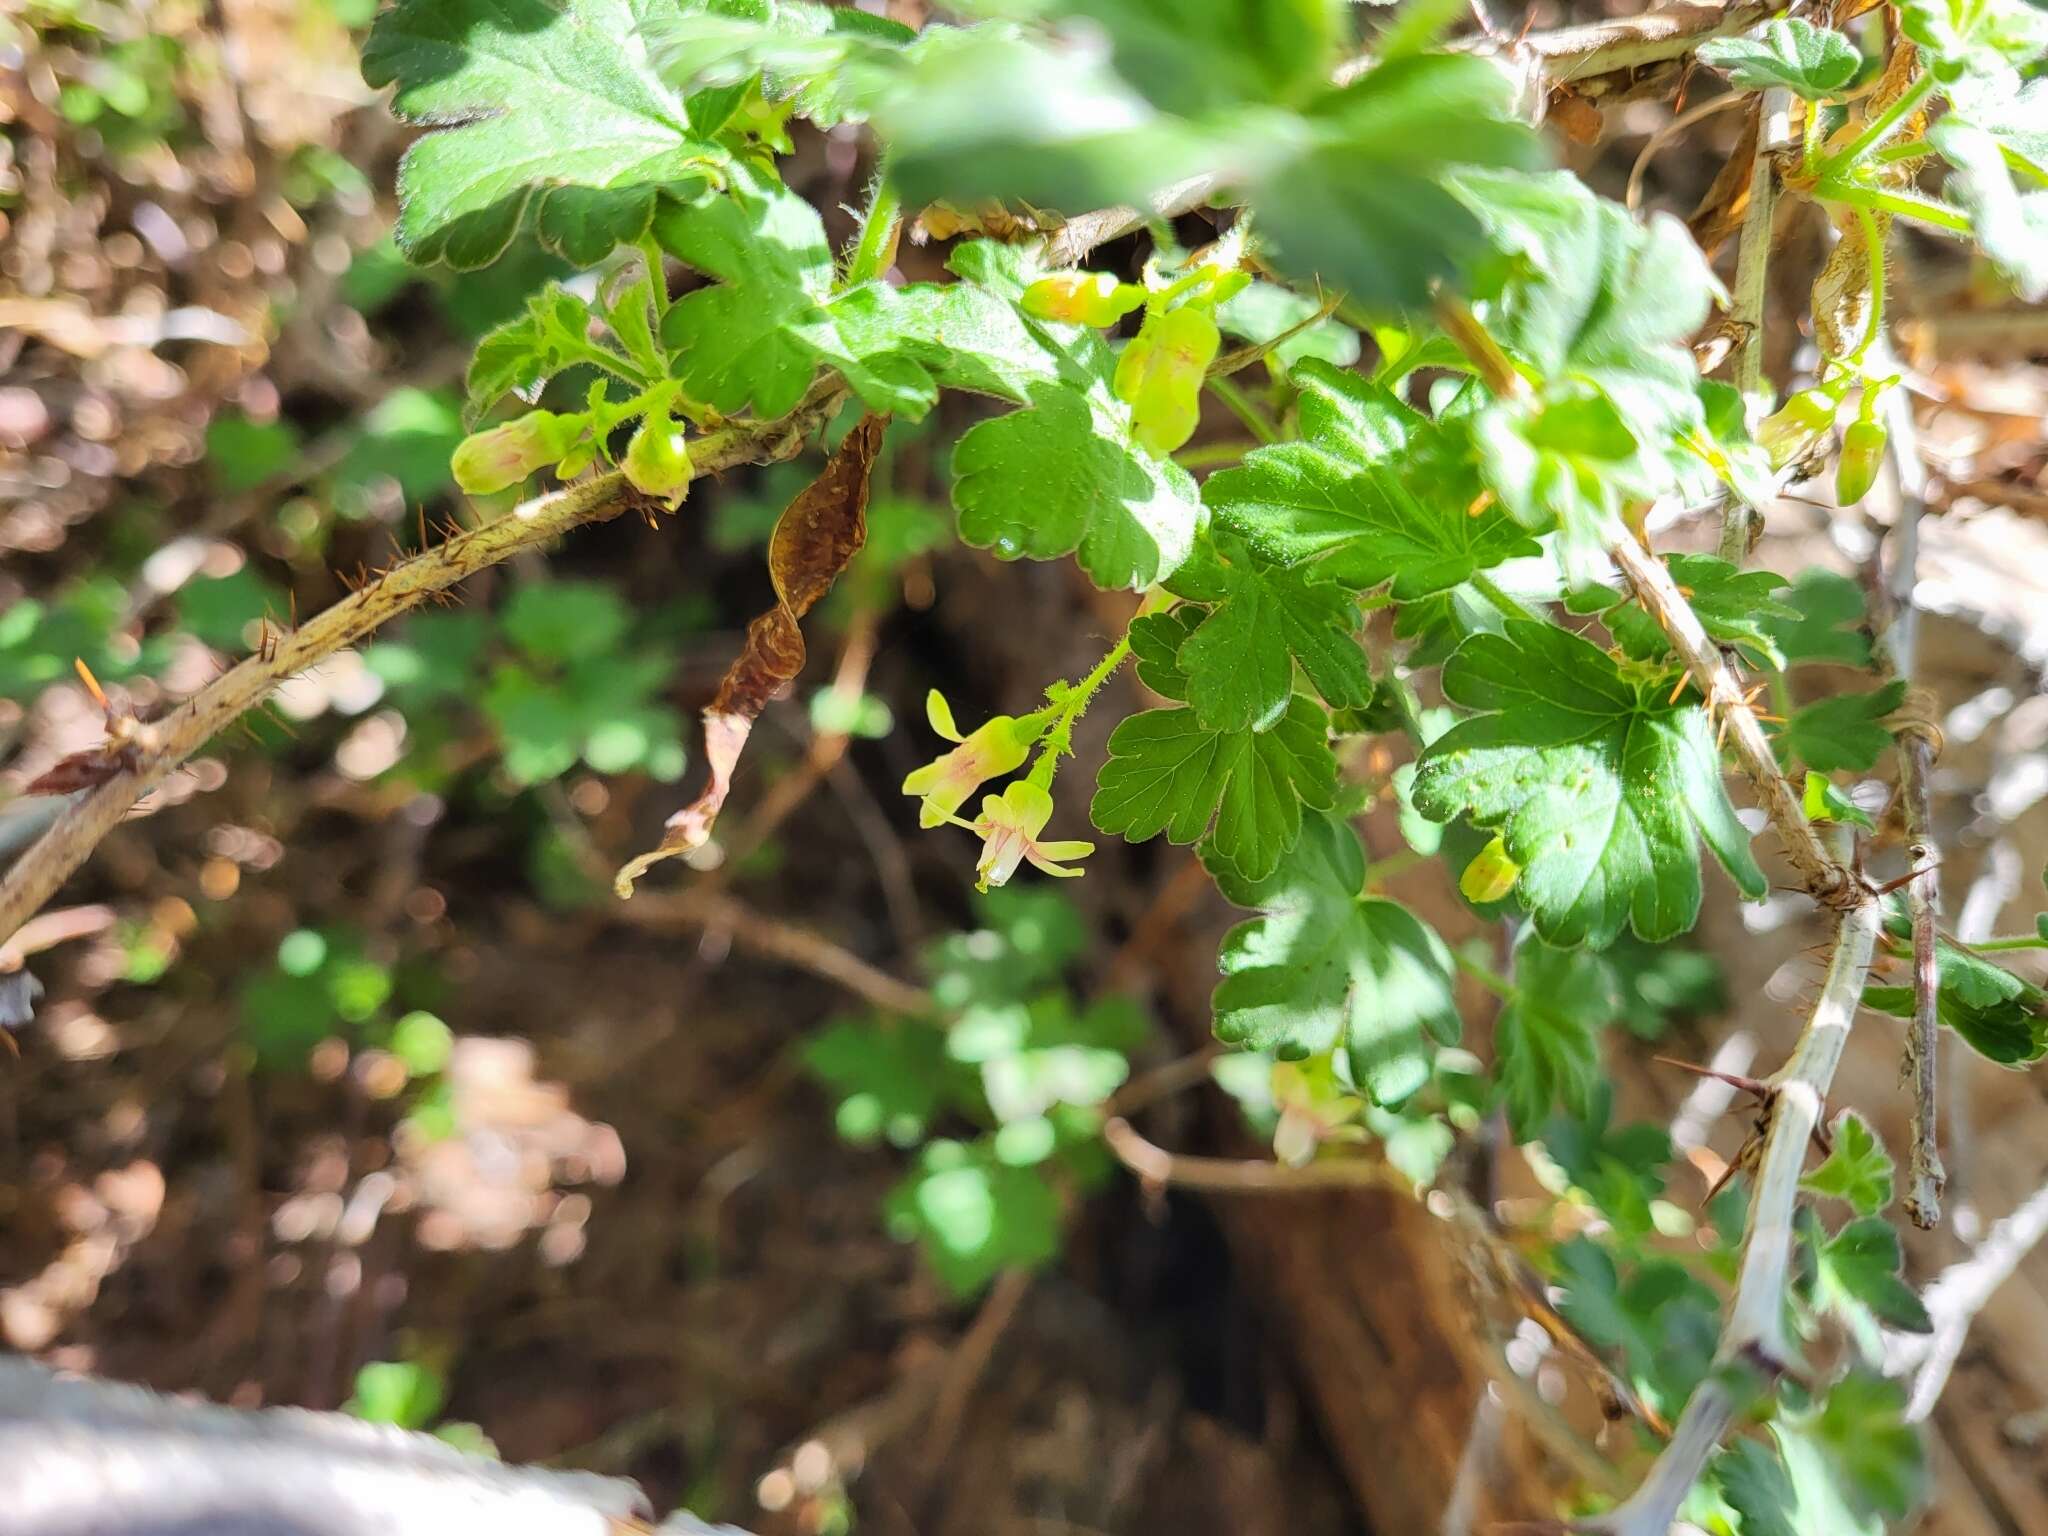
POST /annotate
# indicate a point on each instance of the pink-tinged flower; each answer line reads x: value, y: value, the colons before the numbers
x: 997, y: 748
x: 1009, y: 826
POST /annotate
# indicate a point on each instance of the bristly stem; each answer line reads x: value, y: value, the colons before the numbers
x: 1746, y: 302
x: 36, y: 876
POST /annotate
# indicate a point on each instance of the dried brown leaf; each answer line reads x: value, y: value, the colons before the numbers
x: 817, y: 534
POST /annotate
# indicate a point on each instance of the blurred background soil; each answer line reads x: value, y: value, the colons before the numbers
x: 635, y: 1242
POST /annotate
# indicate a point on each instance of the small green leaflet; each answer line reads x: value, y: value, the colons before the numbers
x: 1974, y: 37
x: 1546, y: 1039
x: 1325, y: 968
x: 1857, y: 1169
x: 830, y: 58
x: 889, y: 1075
x: 2002, y: 1018
x: 2011, y: 227
x: 1262, y: 620
x: 1062, y: 475
x: 1861, y: 1436
x: 547, y: 112
x: 1828, y: 607
x: 1659, y: 1318
x: 1811, y: 62
x: 1823, y: 802
x: 1601, y: 787
x: 1856, y: 1278
x: 1733, y: 606
x: 1842, y: 730
x: 1167, y: 773
x: 1335, y: 497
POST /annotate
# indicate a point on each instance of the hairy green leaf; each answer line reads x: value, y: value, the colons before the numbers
x: 1810, y: 61
x: 1337, y: 497
x: 1167, y: 773
x: 1601, y: 787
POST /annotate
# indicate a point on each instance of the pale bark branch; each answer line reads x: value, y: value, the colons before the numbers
x: 1754, y: 1350
x: 168, y: 742
x: 1894, y: 644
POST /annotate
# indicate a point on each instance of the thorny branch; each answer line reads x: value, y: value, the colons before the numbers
x: 1754, y: 1349
x: 43, y: 868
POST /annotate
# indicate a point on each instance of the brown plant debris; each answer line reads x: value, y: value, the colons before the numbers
x: 814, y: 539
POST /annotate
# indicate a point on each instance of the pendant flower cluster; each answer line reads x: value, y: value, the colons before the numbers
x: 1011, y: 823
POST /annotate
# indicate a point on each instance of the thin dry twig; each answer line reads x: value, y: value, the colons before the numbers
x: 166, y: 743
x: 1740, y: 522
x: 1894, y: 645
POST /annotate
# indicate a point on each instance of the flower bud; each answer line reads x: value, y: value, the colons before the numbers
x: 1160, y: 375
x: 1490, y: 875
x: 657, y: 461
x: 502, y: 456
x: 1862, y: 451
x: 1082, y: 298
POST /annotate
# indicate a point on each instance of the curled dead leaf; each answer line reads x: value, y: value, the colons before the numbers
x: 817, y: 534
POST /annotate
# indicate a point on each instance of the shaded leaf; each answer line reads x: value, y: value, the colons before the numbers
x: 814, y: 539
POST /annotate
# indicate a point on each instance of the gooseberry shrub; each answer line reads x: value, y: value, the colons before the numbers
x: 1463, y: 389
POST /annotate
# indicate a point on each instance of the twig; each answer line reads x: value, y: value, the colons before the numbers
x: 43, y: 868
x: 1823, y: 877
x: 1955, y: 1298
x: 1740, y: 523
x: 701, y: 907
x: 1754, y: 1344
x: 1575, y: 54
x: 1894, y: 645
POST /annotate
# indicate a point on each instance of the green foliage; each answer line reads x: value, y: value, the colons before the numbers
x: 1826, y: 606
x: 2000, y: 1016
x: 321, y: 984
x: 1015, y: 1058
x: 552, y: 120
x: 40, y: 640
x: 1735, y: 607
x: 1327, y: 968
x: 401, y: 1392
x: 1857, y: 1169
x: 1547, y: 1037
x: 1337, y: 497
x: 1599, y: 785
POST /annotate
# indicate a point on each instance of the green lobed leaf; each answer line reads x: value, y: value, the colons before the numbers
x: 1167, y: 773
x: 1239, y: 662
x: 1546, y: 1039
x: 1734, y: 606
x: 545, y: 116
x: 1857, y: 1169
x: 1856, y: 1278
x: 1829, y: 610
x: 828, y: 59
x: 1842, y: 730
x: 1877, y: 1461
x: 2000, y: 1016
x: 1974, y: 37
x: 1655, y: 1315
x: 1325, y: 968
x: 890, y: 1077
x: 1337, y: 497
x: 1601, y: 787
x: 1194, y: 56
x: 1812, y: 62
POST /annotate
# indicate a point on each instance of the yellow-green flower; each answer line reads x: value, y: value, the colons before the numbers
x: 997, y: 748
x: 1009, y: 825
